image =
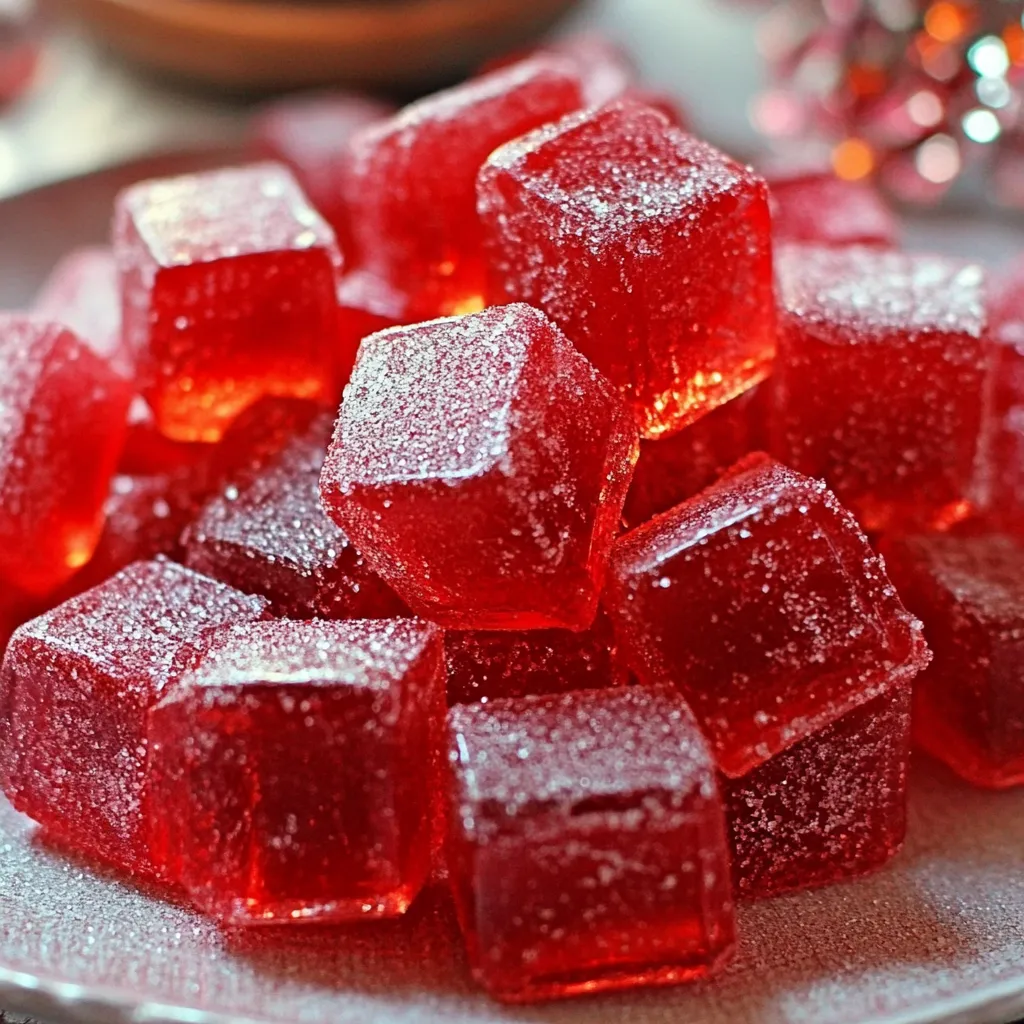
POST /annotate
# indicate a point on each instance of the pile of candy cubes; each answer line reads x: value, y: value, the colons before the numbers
x: 513, y: 491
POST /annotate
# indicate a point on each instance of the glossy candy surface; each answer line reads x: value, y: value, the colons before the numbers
x: 230, y: 293
x: 587, y: 848
x: 762, y: 601
x: 648, y: 247
x: 480, y: 464
x: 291, y: 769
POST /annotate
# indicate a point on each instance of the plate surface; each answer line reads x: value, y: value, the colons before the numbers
x: 936, y: 936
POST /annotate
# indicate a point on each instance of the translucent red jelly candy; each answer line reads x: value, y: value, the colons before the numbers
x: 762, y: 601
x: 271, y: 537
x: 881, y: 378
x: 831, y: 807
x: 77, y: 684
x: 291, y: 767
x: 411, y: 179
x: 366, y: 304
x: 969, y: 704
x: 311, y: 134
x: 230, y: 293
x: 62, y: 425
x: 587, y: 849
x: 480, y: 464
x: 649, y: 248
x: 147, y: 452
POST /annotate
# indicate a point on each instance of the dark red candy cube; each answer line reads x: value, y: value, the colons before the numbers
x: 77, y: 684
x: 291, y: 770
x: 411, y: 180
x: 671, y: 469
x: 832, y: 807
x: 762, y: 601
x: 485, y: 666
x: 230, y: 293
x: 271, y: 537
x: 969, y: 704
x: 62, y: 425
x: 586, y: 848
x: 648, y: 247
x: 311, y: 134
x: 83, y: 292
x: 880, y: 384
x: 480, y: 464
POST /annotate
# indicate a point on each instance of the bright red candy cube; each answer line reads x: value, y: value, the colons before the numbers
x: 62, y: 426
x: 761, y: 600
x: 648, y: 247
x: 271, y: 537
x: 587, y: 849
x: 480, y: 464
x: 969, y: 704
x: 77, y: 684
x: 832, y: 807
x: 311, y: 134
x: 230, y: 293
x: 881, y: 382
x: 291, y: 770
x: 411, y: 180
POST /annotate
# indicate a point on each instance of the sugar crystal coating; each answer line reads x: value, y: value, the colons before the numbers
x: 761, y: 600
x: 291, y: 769
x: 649, y: 248
x: 881, y: 381
x: 479, y: 464
x: 969, y: 704
x: 271, y: 537
x: 77, y: 683
x: 229, y: 282
x: 411, y: 179
x: 587, y: 848
x: 832, y: 807
x: 62, y: 425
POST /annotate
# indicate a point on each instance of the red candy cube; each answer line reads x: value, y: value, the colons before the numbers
x: 587, y: 848
x: 762, y: 601
x: 880, y: 384
x: 230, y: 293
x: 969, y: 705
x: 77, y: 684
x: 271, y: 537
x: 311, y: 134
x: 485, y: 666
x: 411, y: 180
x: 291, y: 770
x: 480, y: 464
x: 832, y: 807
x: 148, y: 452
x: 62, y: 425
x: 650, y: 249
x: 366, y: 304
x: 83, y: 292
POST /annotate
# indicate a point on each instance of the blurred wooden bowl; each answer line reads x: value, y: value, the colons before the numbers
x: 398, y: 44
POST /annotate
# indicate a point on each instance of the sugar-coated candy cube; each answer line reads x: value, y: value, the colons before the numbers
x: 480, y: 463
x: 229, y: 283
x: 762, y: 601
x: 671, y: 469
x: 832, y: 807
x: 311, y: 133
x: 969, y: 704
x: 77, y: 684
x: 881, y: 381
x: 62, y: 425
x: 648, y: 247
x: 291, y: 766
x: 83, y: 292
x: 271, y: 537
x: 485, y: 666
x: 411, y: 180
x: 587, y: 847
